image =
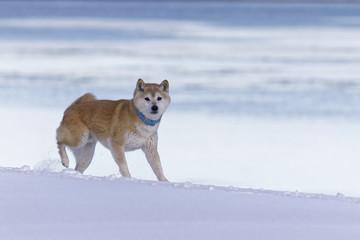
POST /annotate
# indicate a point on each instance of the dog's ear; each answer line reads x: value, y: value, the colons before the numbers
x: 140, y: 86
x: 164, y: 85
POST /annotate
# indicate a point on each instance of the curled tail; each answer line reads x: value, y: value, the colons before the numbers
x: 88, y: 97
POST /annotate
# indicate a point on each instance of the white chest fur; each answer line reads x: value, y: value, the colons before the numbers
x: 136, y: 139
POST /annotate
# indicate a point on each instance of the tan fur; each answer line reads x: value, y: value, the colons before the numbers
x: 116, y: 125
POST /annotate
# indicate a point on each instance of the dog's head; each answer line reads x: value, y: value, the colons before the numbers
x: 152, y: 99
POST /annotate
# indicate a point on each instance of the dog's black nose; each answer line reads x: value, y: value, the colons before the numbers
x: 154, y: 108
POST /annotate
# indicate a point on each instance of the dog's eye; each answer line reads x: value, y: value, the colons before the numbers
x: 147, y: 99
x: 159, y: 98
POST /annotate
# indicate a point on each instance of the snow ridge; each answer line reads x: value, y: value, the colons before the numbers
x: 71, y: 173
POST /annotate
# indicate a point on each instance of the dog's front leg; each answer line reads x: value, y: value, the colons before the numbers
x: 118, y: 152
x: 152, y: 156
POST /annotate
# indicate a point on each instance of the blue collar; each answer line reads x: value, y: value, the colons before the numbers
x: 147, y: 121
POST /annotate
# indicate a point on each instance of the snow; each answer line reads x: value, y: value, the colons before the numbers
x: 260, y: 140
x: 69, y: 205
x: 308, y: 155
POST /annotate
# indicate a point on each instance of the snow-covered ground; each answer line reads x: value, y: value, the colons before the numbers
x: 264, y: 96
x: 308, y: 155
x: 68, y: 205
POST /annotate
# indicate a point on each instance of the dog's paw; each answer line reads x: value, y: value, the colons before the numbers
x: 163, y: 179
x: 65, y: 163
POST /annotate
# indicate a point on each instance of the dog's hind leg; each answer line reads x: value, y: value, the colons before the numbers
x: 74, y: 136
x: 63, y: 155
x: 84, y: 156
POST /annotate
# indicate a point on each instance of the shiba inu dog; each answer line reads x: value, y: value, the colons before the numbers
x: 123, y: 125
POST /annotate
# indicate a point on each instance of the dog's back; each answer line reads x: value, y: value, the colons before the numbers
x: 88, y: 97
